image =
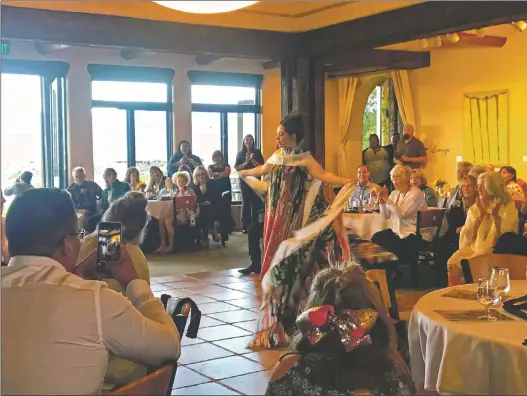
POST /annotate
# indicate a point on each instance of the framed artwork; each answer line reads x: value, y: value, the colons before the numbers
x: 486, y: 127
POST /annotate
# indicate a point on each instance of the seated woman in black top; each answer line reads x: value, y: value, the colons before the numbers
x: 183, y: 156
x: 249, y: 157
x: 220, y: 173
x: 208, y: 201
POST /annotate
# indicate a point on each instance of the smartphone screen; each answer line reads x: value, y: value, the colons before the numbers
x: 108, y: 244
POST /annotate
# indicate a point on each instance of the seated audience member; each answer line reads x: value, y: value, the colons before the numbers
x: 183, y: 156
x: 4, y: 258
x: 114, y: 188
x: 22, y: 184
x: 181, y: 184
x: 511, y: 243
x: 157, y: 180
x: 493, y: 215
x: 477, y: 170
x: 130, y: 211
x: 361, y: 195
x: 377, y: 159
x: 401, y: 208
x: 418, y: 180
x: 133, y: 180
x: 85, y: 194
x: 515, y: 191
x: 330, y: 355
x: 208, y: 201
x: 220, y: 173
x: 455, y: 198
x: 70, y: 324
x: 255, y: 234
x: 456, y: 215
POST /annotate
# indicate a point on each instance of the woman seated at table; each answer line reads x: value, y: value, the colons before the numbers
x: 515, y: 191
x: 346, y: 343
x: 208, y: 201
x: 456, y: 216
x: 220, y: 173
x: 157, y: 181
x: 132, y: 179
x: 114, y: 188
x: 401, y: 208
x: 181, y: 185
x: 418, y: 180
x: 493, y: 215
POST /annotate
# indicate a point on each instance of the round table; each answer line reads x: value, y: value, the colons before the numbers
x: 365, y: 224
x: 467, y: 357
x: 161, y: 210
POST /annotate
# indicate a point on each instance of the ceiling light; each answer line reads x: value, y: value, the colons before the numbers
x: 205, y: 7
x: 452, y: 38
x: 435, y: 42
x: 480, y: 33
x: 424, y: 43
x: 520, y: 25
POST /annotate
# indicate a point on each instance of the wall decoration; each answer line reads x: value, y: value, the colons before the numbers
x: 486, y: 127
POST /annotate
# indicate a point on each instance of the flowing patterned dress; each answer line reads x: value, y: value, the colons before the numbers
x: 302, y: 235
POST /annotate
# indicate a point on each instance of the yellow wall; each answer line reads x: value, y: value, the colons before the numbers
x: 438, y: 99
x: 79, y: 92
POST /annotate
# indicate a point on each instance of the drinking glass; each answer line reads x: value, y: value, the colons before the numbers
x: 487, y: 295
x: 501, y: 280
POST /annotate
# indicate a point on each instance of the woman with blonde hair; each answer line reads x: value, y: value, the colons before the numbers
x: 418, y: 179
x: 493, y: 214
x: 345, y: 342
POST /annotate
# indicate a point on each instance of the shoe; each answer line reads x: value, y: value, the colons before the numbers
x: 251, y: 269
x: 244, y: 231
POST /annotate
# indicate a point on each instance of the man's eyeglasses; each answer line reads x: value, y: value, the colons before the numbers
x: 82, y: 233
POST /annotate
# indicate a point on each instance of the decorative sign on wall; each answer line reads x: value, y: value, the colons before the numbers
x: 486, y: 127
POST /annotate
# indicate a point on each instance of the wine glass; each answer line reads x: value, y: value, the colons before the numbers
x: 501, y: 280
x: 487, y: 295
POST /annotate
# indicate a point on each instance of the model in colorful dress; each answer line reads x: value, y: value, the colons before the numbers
x: 302, y: 232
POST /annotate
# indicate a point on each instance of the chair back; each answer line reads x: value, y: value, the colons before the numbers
x: 481, y: 266
x: 157, y: 383
x: 385, y: 285
x: 430, y: 218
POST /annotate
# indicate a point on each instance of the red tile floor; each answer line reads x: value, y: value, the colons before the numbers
x: 217, y: 362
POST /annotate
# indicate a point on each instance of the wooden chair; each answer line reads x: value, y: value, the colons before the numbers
x: 385, y: 285
x: 481, y: 266
x: 157, y: 383
x: 430, y: 218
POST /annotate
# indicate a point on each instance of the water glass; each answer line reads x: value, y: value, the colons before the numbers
x: 501, y: 280
x: 487, y: 295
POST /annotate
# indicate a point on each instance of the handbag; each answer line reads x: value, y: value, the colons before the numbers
x: 180, y: 309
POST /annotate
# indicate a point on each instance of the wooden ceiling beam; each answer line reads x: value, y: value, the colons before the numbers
x: 80, y: 29
x: 423, y: 20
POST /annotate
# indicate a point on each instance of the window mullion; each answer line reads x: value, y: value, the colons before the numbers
x: 130, y: 137
x: 224, y: 134
x: 46, y: 124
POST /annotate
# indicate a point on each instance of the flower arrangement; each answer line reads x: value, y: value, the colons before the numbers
x: 140, y: 187
x: 441, y: 187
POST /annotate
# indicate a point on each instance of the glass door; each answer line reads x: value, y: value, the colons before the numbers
x: 150, y: 141
x: 206, y: 135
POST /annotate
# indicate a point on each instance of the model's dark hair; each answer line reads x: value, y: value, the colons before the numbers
x: 293, y: 123
x: 511, y: 170
x: 38, y: 220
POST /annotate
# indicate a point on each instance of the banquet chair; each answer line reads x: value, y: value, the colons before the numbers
x: 481, y: 266
x: 156, y: 383
x: 426, y: 219
x: 385, y: 285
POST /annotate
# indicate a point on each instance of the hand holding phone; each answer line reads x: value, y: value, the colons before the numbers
x: 108, y: 246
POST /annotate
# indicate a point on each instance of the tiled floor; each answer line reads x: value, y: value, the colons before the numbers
x: 218, y: 362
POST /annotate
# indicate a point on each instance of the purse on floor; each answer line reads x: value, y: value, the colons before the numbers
x: 180, y: 309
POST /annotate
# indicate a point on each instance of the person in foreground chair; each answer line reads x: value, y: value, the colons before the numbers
x: 63, y: 324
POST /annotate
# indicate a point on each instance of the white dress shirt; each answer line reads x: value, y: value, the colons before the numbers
x: 58, y: 329
x: 402, y: 208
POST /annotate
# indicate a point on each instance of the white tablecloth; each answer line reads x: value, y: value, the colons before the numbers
x: 365, y: 224
x: 161, y: 210
x: 467, y: 357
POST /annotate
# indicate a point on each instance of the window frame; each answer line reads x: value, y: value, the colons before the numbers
x: 113, y: 73
x: 54, y: 114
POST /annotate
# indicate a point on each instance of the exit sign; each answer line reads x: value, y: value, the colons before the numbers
x: 5, y: 48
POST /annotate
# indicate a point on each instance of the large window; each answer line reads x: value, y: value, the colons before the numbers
x: 225, y: 108
x: 33, y: 123
x: 381, y: 114
x: 132, y: 119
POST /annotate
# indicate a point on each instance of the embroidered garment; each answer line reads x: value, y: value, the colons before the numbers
x: 298, y: 381
x: 85, y: 196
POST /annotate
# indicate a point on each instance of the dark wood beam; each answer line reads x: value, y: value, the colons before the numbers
x: 427, y: 19
x: 207, y: 59
x: 82, y: 29
x: 272, y: 64
x: 369, y: 61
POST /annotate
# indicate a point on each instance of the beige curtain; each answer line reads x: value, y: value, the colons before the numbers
x: 403, y: 93
x: 347, y: 87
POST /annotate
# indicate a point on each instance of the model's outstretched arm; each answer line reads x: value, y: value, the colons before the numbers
x: 259, y: 171
x: 316, y: 170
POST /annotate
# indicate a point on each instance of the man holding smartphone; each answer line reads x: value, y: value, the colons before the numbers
x: 63, y: 324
